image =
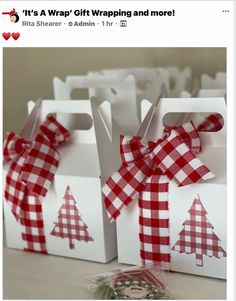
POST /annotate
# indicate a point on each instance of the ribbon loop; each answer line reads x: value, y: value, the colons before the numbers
x: 33, y: 163
x: 13, y: 146
x: 212, y: 123
x: 40, y: 166
x: 132, y: 149
x: 178, y: 162
x: 188, y: 134
x: 54, y: 131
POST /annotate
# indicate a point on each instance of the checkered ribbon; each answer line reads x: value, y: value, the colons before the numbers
x: 32, y: 168
x: 197, y: 236
x: 145, y: 172
x: 212, y: 123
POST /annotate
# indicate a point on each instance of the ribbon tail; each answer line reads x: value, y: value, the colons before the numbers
x: 123, y: 186
x: 154, y: 221
x: 30, y: 176
x: 32, y: 222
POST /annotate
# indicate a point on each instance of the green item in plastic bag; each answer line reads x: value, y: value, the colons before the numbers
x: 137, y: 289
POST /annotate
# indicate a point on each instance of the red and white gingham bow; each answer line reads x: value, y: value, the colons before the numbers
x: 145, y: 171
x: 32, y: 169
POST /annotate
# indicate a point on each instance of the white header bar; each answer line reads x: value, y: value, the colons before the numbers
x: 118, y: 23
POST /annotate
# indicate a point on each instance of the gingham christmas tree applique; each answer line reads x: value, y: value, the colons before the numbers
x: 70, y: 224
x: 197, y: 236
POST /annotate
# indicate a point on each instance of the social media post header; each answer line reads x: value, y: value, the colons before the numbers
x: 115, y: 23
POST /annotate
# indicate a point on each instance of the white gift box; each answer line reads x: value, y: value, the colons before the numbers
x: 148, y: 80
x: 85, y: 160
x: 212, y: 195
x: 219, y: 82
x: 179, y: 80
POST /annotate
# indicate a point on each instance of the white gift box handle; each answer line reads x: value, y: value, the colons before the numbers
x: 89, y: 107
x: 119, y: 92
x: 76, y: 107
x: 185, y: 105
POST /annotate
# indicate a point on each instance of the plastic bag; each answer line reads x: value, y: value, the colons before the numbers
x: 143, y: 282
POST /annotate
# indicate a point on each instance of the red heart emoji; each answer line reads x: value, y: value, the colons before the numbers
x: 15, y: 35
x: 6, y: 35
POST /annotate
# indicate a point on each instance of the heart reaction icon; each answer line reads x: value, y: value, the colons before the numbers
x: 14, y: 35
x: 6, y: 35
